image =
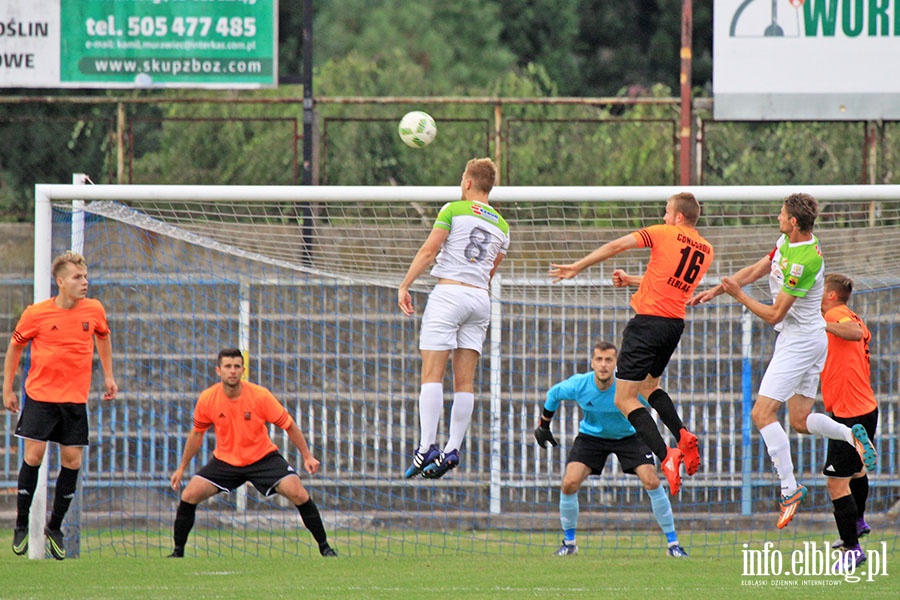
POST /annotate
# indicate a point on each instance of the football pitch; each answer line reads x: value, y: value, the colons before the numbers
x: 364, y: 572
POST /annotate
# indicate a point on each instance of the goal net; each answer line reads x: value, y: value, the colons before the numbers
x: 303, y: 279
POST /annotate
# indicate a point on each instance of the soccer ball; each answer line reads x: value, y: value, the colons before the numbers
x: 417, y: 129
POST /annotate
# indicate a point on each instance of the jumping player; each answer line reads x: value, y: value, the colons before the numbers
x: 466, y: 244
x: 796, y: 271
x: 679, y: 258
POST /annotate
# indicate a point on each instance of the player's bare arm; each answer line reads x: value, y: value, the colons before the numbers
x: 745, y: 276
x: 849, y: 330
x: 770, y: 313
x: 191, y: 448
x: 622, y: 279
x: 424, y: 257
x: 497, y: 262
x: 104, y: 350
x: 607, y: 250
x: 10, y: 364
x: 310, y: 462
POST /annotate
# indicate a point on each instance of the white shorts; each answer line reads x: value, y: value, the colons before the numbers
x: 456, y: 316
x: 795, y: 367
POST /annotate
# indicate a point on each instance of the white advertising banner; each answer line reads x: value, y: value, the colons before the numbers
x: 29, y: 43
x: 138, y: 43
x: 806, y: 59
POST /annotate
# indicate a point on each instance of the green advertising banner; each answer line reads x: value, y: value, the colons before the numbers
x: 169, y: 43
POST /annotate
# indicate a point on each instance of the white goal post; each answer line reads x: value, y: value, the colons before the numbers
x: 567, y: 225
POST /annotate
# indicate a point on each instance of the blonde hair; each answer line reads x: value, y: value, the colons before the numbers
x: 483, y: 174
x: 67, y: 258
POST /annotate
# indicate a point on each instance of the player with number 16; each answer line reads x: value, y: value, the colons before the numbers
x: 679, y: 258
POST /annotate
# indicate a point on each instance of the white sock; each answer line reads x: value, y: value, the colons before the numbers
x: 431, y: 405
x: 779, y: 448
x: 460, y: 415
x: 824, y: 426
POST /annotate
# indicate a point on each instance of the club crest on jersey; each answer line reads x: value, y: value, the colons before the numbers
x: 792, y: 282
x: 85, y: 325
x: 797, y: 269
x: 246, y: 416
x: 481, y: 211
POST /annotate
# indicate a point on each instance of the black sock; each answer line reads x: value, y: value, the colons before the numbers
x: 845, y: 516
x: 860, y: 490
x: 643, y: 423
x: 28, y: 477
x: 309, y: 513
x: 184, y: 522
x: 665, y: 408
x: 66, y: 483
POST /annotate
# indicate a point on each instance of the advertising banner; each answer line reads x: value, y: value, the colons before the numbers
x: 138, y: 43
x: 806, y: 59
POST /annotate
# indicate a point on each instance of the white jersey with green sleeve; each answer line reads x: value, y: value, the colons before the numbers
x: 477, y: 235
x: 799, y: 270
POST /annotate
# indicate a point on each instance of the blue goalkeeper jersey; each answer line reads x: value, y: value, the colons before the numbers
x: 601, y: 417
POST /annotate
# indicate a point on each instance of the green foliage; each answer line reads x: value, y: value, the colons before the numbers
x: 456, y: 45
x: 783, y: 153
x: 202, y: 143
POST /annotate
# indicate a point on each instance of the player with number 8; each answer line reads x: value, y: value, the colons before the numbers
x: 467, y: 242
x: 679, y: 258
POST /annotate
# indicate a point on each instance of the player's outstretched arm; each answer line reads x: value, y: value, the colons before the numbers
x: 607, y: 250
x: 770, y: 313
x: 745, y: 276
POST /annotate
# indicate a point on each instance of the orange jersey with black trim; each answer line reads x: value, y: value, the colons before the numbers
x: 679, y: 258
x: 846, y: 379
x: 62, y: 348
x: 242, y: 437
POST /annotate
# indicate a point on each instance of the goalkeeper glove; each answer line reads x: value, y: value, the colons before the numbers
x: 543, y: 435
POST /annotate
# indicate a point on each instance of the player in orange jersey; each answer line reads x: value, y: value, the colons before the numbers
x: 848, y: 396
x: 679, y: 258
x: 61, y: 332
x: 239, y: 411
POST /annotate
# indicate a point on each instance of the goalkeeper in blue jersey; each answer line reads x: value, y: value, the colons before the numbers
x: 602, y: 431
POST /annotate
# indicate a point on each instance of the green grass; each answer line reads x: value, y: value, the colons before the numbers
x: 366, y: 571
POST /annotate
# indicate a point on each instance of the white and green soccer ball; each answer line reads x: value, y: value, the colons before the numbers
x: 417, y: 129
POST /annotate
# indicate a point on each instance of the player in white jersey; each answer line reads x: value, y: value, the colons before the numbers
x: 467, y: 243
x: 796, y: 272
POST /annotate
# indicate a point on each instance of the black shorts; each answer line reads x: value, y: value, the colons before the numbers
x: 65, y: 423
x: 647, y: 345
x: 841, y: 458
x: 593, y: 452
x: 264, y: 474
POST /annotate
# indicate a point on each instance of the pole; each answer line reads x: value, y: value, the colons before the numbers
x: 684, y: 136
x: 308, y: 127
x: 43, y: 227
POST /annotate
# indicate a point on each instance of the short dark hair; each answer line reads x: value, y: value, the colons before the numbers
x: 687, y: 205
x: 804, y: 208
x: 229, y: 353
x: 603, y: 346
x: 839, y: 284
